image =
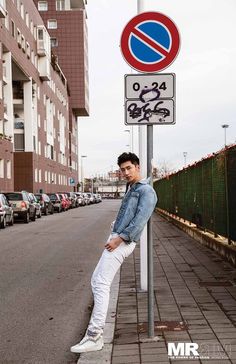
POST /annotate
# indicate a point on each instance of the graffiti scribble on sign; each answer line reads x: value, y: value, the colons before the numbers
x: 145, y: 112
x: 149, y: 95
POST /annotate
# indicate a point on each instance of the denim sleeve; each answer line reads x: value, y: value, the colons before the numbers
x: 146, y: 205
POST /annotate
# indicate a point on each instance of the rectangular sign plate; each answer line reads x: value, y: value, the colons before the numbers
x: 161, y: 85
x: 158, y: 112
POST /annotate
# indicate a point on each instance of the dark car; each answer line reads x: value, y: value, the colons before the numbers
x: 45, y: 202
x: 37, y: 205
x: 23, y: 208
x: 56, y: 201
x: 6, y: 212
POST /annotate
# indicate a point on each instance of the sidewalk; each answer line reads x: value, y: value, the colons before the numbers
x: 195, y: 301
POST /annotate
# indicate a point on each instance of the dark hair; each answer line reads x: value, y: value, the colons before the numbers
x: 128, y: 157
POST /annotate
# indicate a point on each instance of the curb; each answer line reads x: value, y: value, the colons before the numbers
x: 219, y: 245
x: 104, y: 355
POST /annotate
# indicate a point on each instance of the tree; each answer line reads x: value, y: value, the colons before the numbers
x: 162, y: 169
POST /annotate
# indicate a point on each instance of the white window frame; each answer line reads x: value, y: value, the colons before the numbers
x: 43, y: 8
x: 60, y: 5
x: 54, y: 39
x: 51, y: 22
x: 8, y: 169
x: 1, y: 168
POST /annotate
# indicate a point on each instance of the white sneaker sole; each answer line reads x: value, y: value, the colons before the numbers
x: 79, y: 350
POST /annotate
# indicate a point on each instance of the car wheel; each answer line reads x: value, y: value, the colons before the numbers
x: 33, y: 217
x: 11, y: 222
x: 3, y: 223
x: 27, y: 218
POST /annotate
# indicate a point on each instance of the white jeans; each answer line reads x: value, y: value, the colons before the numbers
x: 101, y: 281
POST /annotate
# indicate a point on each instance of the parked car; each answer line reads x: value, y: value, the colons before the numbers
x: 56, y: 201
x: 23, y: 208
x: 6, y: 212
x: 86, y: 198
x: 45, y: 202
x: 80, y: 199
x: 72, y: 198
x: 91, y: 197
x: 65, y: 201
x: 37, y: 205
x: 99, y: 197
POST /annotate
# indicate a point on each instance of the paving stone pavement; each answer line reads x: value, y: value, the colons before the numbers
x: 195, y: 292
x: 195, y: 302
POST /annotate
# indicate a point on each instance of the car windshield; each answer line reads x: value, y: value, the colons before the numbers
x: 14, y: 196
x: 52, y: 197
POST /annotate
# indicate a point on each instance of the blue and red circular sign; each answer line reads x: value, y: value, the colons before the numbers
x: 150, y: 42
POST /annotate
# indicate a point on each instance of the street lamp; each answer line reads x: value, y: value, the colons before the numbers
x: 185, y: 158
x: 225, y: 126
x: 82, y: 172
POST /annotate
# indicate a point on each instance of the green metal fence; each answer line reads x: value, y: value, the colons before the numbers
x: 204, y: 193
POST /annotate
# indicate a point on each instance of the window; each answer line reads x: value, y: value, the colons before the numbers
x: 22, y: 13
x: 60, y: 5
x: 32, y: 56
x: 7, y: 21
x: 52, y: 24
x: 54, y: 42
x: 36, y: 175
x: 19, y: 142
x: 28, y: 49
x: 1, y: 168
x: 42, y: 5
x: 23, y: 43
x: 27, y: 19
x: 8, y: 169
x: 13, y: 29
x: 51, y: 152
x: 40, y: 175
x: 19, y: 37
x: 40, y: 34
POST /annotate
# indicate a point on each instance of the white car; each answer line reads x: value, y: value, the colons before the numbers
x: 6, y: 212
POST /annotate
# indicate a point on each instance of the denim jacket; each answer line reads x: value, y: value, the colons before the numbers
x: 136, y: 209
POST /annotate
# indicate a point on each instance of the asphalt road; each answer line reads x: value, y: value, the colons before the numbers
x: 45, y: 271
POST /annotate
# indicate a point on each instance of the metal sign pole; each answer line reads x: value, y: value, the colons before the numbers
x: 150, y: 238
x: 142, y: 137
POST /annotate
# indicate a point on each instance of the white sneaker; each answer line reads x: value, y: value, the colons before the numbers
x: 88, y: 343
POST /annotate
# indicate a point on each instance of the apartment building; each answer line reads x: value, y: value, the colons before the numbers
x: 65, y: 21
x: 34, y: 107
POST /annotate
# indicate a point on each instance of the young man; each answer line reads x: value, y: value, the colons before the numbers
x: 136, y: 209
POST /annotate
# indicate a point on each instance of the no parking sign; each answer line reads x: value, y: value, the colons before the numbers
x: 150, y: 42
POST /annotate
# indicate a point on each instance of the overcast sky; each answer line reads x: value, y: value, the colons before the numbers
x: 205, y: 71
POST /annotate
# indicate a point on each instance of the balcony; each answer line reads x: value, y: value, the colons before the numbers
x: 19, y: 124
x: 41, y: 48
x: 44, y: 68
x: 78, y: 4
x: 3, y: 11
x: 43, y: 42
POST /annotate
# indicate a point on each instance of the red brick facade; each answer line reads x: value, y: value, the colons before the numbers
x: 36, y: 102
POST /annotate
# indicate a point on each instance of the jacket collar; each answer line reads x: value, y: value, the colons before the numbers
x: 145, y: 181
